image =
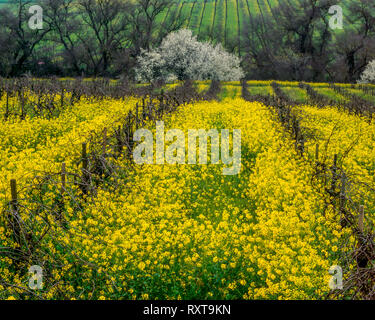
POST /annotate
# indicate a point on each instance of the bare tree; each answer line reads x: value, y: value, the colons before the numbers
x: 144, y: 30
x: 356, y: 46
x: 104, y: 31
x: 63, y: 19
x: 18, y: 40
x: 292, y: 44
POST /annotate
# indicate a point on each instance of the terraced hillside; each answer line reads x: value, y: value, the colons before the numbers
x: 220, y: 20
x: 223, y: 20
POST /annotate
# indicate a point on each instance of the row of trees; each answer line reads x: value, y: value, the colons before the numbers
x: 90, y: 37
x: 107, y: 37
x: 297, y: 41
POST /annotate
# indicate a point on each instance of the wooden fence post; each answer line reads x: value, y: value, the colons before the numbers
x: 104, y: 142
x: 317, y: 152
x: 334, y: 173
x: 85, y: 162
x: 342, y: 191
x: 129, y: 133
x: 361, y: 218
x: 84, y: 156
x: 22, y: 104
x: 62, y: 98
x: 161, y: 107
x: 119, y: 140
x: 14, y: 211
x: 143, y: 111
x: 63, y: 178
x: 13, y: 188
x: 150, y: 109
x: 7, y: 106
x: 136, y: 117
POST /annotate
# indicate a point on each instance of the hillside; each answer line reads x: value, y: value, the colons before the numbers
x: 225, y: 19
x: 220, y: 20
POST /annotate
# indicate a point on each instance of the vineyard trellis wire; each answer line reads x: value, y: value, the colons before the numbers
x: 341, y: 195
x: 356, y: 105
x: 32, y: 215
x: 98, y: 162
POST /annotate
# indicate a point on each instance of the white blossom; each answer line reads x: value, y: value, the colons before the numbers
x: 182, y: 56
x: 368, y: 76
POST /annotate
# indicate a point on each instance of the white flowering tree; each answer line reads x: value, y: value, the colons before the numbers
x: 368, y: 76
x: 181, y: 56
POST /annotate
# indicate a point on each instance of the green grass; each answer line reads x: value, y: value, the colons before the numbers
x: 207, y: 18
x: 232, y: 21
x: 363, y: 95
x: 253, y: 6
x: 244, y: 14
x: 332, y: 94
x: 261, y: 89
x: 187, y: 11
x: 233, y: 89
x: 230, y: 91
x: 218, y: 30
x: 196, y: 16
x: 297, y: 94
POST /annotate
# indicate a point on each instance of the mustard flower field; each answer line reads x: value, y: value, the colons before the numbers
x: 100, y: 226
